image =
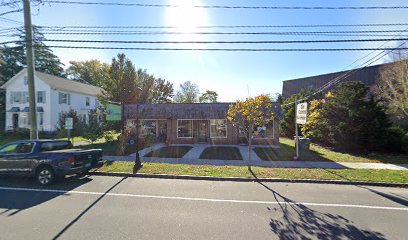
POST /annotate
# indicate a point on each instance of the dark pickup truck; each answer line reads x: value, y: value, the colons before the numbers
x: 47, y: 159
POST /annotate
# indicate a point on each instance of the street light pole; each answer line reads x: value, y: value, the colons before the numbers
x: 30, y: 69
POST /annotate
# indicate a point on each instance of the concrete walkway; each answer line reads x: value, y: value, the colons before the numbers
x: 275, y: 164
x: 192, y: 157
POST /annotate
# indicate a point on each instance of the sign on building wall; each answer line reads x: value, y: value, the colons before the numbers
x: 301, y: 113
x: 69, y: 123
x: 113, y: 112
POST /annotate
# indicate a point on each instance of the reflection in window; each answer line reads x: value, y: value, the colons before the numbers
x: 149, y: 127
x: 184, y: 128
x: 265, y: 131
x: 218, y: 128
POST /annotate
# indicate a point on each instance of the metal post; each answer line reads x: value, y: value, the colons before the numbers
x: 296, y: 130
x: 30, y: 69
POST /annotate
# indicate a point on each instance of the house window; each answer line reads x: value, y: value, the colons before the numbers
x: 184, y: 128
x: 149, y: 127
x: 87, y: 101
x: 64, y: 98
x: 41, y: 97
x: 17, y: 97
x: 218, y: 128
x: 265, y: 131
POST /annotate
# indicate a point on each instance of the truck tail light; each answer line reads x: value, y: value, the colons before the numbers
x: 71, y: 160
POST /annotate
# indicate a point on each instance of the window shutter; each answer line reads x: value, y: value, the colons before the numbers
x: 59, y: 98
x: 43, y: 96
x: 68, y: 99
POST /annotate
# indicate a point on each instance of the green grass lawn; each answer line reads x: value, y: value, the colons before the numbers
x: 319, y: 153
x: 222, y: 153
x: 169, y: 152
x: 395, y: 176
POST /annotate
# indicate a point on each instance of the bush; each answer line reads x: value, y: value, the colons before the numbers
x: 78, y: 128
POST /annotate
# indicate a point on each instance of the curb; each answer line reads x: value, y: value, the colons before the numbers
x: 238, y: 179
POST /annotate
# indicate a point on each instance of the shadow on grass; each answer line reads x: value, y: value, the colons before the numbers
x: 169, y: 152
x: 221, y: 153
x: 286, y: 153
x: 293, y: 220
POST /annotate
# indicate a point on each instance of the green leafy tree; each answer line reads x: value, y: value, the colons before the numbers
x: 188, y: 93
x: 94, y: 129
x: 355, y: 120
x: 247, y: 114
x: 78, y: 124
x: 121, y: 84
x: 209, y: 97
x: 162, y: 91
x: 92, y: 72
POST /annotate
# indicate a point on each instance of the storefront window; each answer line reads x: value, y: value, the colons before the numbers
x: 218, y: 128
x: 149, y: 127
x: 184, y: 128
x: 265, y: 131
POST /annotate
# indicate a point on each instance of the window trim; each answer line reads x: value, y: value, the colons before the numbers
x: 226, y: 129
x: 68, y: 98
x: 192, y: 128
x: 273, y: 131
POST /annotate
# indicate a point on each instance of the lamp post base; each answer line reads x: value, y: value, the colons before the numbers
x: 138, y: 164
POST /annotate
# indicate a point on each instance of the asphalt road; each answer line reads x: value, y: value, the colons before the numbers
x: 132, y: 208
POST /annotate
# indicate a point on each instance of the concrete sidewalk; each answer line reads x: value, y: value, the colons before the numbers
x: 193, y: 157
x: 260, y: 163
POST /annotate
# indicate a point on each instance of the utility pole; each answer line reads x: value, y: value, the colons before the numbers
x: 30, y: 69
x: 296, y: 130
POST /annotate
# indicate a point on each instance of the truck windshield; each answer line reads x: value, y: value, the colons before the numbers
x: 52, y: 146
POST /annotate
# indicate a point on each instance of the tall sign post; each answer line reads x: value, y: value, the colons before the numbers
x: 69, y: 125
x: 30, y: 69
x: 301, y: 118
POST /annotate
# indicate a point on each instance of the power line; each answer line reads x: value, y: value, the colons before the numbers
x: 349, y: 73
x: 230, y: 49
x: 10, y: 20
x: 232, y: 7
x: 9, y: 12
x: 70, y: 31
x: 227, y: 26
x: 217, y: 42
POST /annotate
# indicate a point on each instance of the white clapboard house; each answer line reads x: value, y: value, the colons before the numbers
x: 54, y: 95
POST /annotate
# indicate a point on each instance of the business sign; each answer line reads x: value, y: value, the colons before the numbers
x: 69, y: 123
x: 301, y: 113
x: 113, y: 112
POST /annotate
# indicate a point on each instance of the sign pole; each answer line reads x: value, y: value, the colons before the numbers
x: 296, y: 130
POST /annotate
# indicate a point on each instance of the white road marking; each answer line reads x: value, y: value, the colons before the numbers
x: 206, y: 199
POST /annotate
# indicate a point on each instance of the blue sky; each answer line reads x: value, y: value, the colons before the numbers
x: 231, y: 74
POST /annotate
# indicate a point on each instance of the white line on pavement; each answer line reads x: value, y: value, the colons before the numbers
x: 205, y: 199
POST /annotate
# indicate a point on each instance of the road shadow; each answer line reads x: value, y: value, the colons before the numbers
x: 14, y: 198
x: 60, y: 233
x: 392, y: 197
x: 292, y: 220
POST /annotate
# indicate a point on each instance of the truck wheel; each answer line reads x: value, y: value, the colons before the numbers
x: 45, y: 175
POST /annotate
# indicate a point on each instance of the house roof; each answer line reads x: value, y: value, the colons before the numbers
x: 60, y: 83
x: 183, y: 111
